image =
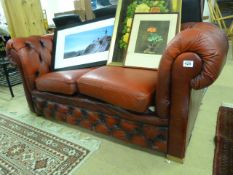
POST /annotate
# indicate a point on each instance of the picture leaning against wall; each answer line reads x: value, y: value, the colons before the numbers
x: 123, y: 23
x: 84, y: 45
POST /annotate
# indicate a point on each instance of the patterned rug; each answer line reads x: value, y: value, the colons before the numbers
x: 27, y: 150
x: 223, y: 158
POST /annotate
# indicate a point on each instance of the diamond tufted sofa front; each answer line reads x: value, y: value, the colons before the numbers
x: 151, y: 108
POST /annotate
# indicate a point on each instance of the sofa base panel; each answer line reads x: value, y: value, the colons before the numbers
x: 175, y: 159
x: 135, y: 132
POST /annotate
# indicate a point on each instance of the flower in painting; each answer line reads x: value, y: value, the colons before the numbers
x: 129, y: 22
x: 155, y: 9
x: 152, y: 29
x: 154, y: 39
x: 142, y: 8
x: 126, y: 38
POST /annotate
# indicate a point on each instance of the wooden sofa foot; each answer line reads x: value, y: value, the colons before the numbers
x: 175, y: 159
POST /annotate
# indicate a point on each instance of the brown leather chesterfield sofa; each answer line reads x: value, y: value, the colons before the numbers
x: 151, y: 108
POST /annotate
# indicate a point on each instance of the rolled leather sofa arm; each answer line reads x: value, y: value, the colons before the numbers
x: 32, y: 55
x: 202, y: 39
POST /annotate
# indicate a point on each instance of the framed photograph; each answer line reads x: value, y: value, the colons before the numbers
x: 83, y: 45
x: 149, y: 37
x: 123, y: 23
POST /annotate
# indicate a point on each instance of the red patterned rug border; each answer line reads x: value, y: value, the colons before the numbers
x: 223, y: 157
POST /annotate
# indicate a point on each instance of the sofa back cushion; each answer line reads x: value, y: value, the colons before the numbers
x: 62, y: 82
x: 129, y: 88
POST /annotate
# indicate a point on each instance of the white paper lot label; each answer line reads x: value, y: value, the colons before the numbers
x: 188, y: 63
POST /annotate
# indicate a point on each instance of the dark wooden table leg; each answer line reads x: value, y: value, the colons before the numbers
x: 7, y: 79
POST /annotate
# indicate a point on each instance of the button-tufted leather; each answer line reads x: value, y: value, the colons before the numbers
x: 63, y: 82
x: 33, y: 56
x: 128, y: 88
x: 203, y: 39
x: 206, y: 46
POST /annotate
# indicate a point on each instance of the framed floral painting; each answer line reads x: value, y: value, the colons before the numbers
x: 123, y: 23
x: 149, y: 36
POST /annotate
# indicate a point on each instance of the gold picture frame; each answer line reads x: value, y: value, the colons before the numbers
x: 117, y: 51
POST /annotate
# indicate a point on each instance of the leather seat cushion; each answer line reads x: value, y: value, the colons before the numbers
x: 129, y: 88
x: 63, y: 82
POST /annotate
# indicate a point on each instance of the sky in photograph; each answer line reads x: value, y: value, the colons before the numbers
x: 80, y: 41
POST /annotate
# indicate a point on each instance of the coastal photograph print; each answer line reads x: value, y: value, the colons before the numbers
x: 89, y: 42
x: 84, y: 45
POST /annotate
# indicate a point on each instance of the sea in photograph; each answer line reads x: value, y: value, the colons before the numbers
x: 88, y: 42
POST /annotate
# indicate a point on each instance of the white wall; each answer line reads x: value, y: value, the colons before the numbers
x: 3, y: 25
x: 2, y: 16
x: 56, y: 6
x: 206, y: 12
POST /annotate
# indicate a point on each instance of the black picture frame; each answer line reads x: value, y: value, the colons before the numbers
x: 82, y: 45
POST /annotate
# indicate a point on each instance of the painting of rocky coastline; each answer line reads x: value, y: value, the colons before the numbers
x: 88, y: 42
